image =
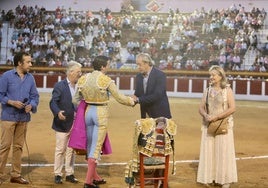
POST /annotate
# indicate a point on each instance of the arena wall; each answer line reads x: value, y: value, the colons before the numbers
x: 180, y: 83
x: 177, y: 86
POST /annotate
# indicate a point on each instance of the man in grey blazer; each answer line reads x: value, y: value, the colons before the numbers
x: 150, y: 91
x: 63, y: 111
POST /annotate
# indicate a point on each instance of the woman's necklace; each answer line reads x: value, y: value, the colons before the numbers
x: 215, y: 91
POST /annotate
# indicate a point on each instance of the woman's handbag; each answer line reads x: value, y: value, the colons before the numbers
x: 78, y: 135
x: 218, y: 127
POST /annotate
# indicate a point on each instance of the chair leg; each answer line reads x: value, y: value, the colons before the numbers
x: 142, y: 171
x: 165, y: 181
x: 164, y: 184
x: 155, y: 174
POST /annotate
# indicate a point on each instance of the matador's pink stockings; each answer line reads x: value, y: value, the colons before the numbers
x: 92, y: 171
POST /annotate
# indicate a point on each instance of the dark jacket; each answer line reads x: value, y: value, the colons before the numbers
x: 155, y: 101
x: 62, y: 100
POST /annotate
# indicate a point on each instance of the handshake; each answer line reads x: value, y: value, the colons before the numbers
x: 135, y: 99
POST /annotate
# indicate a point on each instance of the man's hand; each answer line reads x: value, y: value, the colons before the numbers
x: 61, y: 116
x: 136, y: 99
x: 16, y: 104
x: 28, y: 108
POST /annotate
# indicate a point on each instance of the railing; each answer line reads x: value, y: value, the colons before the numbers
x: 188, y: 73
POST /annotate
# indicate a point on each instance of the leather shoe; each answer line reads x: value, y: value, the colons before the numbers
x: 98, y: 182
x: 90, y: 186
x: 58, y: 180
x: 19, y: 180
x: 71, y: 179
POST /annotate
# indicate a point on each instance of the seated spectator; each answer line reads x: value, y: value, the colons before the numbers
x: 262, y: 68
x: 77, y: 33
x: 51, y: 62
x: 131, y: 58
x: 43, y: 62
x: 58, y: 62
x: 119, y: 63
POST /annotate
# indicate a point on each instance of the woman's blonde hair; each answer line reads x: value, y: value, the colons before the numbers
x: 221, y: 73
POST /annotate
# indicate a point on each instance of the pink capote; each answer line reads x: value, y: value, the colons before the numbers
x: 78, y: 135
x: 106, y: 147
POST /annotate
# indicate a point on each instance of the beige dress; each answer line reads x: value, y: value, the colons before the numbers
x: 217, y: 154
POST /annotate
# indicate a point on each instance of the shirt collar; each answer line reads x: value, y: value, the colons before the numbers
x: 16, y: 72
x: 146, y: 75
x: 68, y: 81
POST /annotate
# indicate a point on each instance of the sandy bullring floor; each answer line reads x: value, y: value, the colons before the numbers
x: 251, y: 141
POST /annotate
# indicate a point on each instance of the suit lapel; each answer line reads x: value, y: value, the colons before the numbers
x: 67, y: 89
x: 150, y: 80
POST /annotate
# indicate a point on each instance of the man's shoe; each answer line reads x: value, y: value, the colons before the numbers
x: 71, y: 179
x: 98, y: 182
x: 90, y: 186
x: 58, y: 179
x: 19, y: 180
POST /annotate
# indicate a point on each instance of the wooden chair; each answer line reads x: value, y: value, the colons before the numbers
x: 159, y: 166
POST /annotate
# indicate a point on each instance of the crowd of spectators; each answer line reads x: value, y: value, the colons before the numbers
x: 192, y: 40
x: 202, y: 38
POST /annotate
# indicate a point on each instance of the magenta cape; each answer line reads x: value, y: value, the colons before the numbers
x: 78, y: 135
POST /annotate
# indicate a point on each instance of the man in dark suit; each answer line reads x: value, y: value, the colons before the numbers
x: 150, y: 90
x: 63, y: 111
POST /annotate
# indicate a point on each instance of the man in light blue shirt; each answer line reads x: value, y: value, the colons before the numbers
x: 19, y: 97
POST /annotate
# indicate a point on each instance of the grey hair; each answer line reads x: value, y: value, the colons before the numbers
x: 72, y: 65
x: 146, y: 58
x: 220, y: 72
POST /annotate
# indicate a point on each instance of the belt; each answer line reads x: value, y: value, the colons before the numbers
x: 95, y: 104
